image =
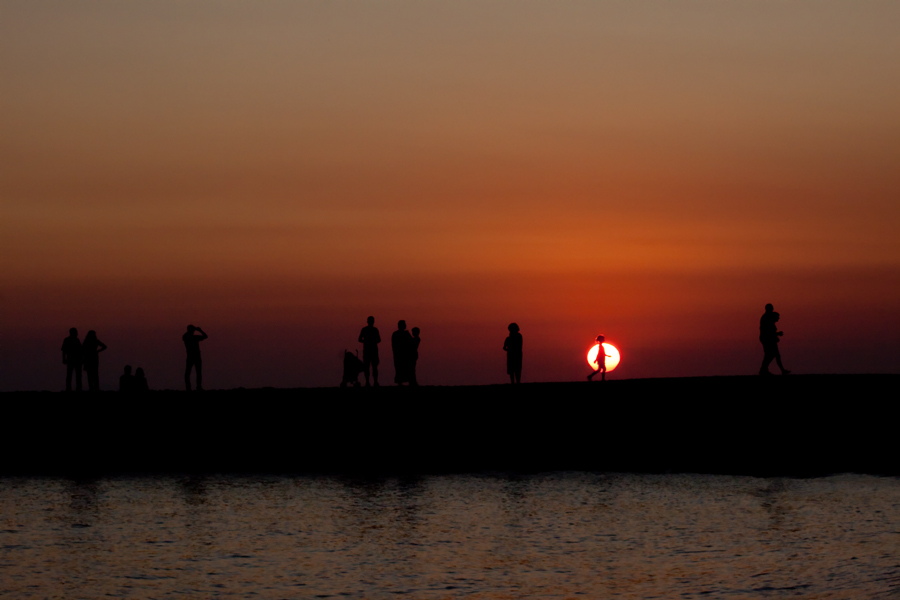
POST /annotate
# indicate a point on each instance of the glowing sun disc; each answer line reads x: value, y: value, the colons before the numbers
x: 612, y: 360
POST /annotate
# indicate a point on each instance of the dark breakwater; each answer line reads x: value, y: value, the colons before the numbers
x: 792, y: 426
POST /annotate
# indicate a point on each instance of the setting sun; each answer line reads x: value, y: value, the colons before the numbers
x: 612, y: 359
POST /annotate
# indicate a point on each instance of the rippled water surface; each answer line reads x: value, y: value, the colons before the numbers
x: 549, y: 536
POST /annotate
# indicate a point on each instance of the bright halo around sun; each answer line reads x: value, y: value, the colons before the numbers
x: 612, y: 358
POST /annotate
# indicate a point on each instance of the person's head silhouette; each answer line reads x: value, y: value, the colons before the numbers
x: 600, y: 338
x: 370, y: 321
x: 415, y: 331
x: 401, y: 325
x: 91, y: 335
x: 128, y: 369
x: 769, y: 308
x: 513, y: 328
x: 775, y: 317
x: 191, y: 329
x: 73, y: 332
x: 139, y: 373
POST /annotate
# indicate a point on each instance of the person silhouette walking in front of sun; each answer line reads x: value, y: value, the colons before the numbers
x: 73, y: 358
x: 601, y: 361
x: 513, y: 347
x: 192, y: 345
x: 414, y: 355
x: 401, y: 343
x: 768, y: 336
x: 370, y: 338
x: 91, y: 348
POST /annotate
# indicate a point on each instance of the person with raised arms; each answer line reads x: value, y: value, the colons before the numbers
x: 192, y: 345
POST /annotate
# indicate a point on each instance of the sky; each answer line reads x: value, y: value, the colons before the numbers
x: 275, y: 172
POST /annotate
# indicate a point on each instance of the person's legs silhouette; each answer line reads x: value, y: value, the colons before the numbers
x: 189, y: 364
x: 769, y: 351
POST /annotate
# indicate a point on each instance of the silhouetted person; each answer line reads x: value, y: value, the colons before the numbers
x: 370, y: 338
x: 513, y: 347
x: 140, y: 381
x: 766, y: 324
x: 73, y: 358
x: 192, y: 345
x: 601, y: 361
x: 91, y: 348
x: 414, y: 355
x: 352, y: 368
x: 401, y: 342
x: 768, y: 336
x: 126, y: 380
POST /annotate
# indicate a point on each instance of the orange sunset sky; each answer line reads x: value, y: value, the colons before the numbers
x: 276, y: 171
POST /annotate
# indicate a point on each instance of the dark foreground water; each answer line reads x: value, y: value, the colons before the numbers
x: 561, y: 535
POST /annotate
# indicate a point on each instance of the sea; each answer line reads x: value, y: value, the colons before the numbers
x: 483, y: 536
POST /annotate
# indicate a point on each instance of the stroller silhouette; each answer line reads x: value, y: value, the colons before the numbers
x: 352, y: 368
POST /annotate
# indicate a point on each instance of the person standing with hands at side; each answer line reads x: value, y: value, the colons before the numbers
x: 73, y: 358
x: 513, y: 347
x: 370, y: 338
x: 192, y: 345
x: 401, y: 344
x: 91, y: 349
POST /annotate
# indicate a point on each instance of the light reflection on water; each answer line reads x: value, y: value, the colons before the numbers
x: 561, y: 535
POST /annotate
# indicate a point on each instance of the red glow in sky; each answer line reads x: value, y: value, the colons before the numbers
x: 276, y: 172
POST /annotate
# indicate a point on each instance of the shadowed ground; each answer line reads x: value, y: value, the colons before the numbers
x: 795, y: 425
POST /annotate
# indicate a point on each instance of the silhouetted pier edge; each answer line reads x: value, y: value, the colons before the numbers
x: 795, y: 425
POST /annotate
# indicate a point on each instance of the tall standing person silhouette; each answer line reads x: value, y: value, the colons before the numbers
x: 370, y: 338
x: 513, y: 347
x: 768, y: 336
x: 73, y: 358
x: 192, y: 345
x: 92, y: 347
x: 401, y: 345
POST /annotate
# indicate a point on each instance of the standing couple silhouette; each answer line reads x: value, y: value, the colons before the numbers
x: 78, y: 356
